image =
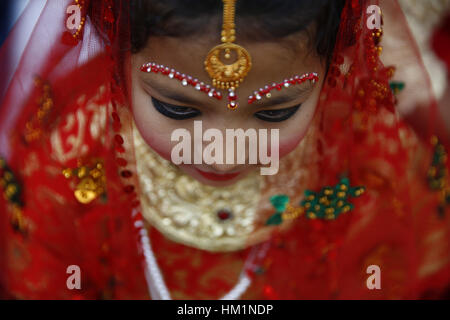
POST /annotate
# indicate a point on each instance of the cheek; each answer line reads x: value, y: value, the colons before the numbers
x: 289, y: 142
x: 291, y: 136
x: 294, y: 134
x: 153, y: 129
x: 160, y: 143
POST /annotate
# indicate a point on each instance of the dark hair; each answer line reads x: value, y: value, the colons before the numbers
x: 258, y: 20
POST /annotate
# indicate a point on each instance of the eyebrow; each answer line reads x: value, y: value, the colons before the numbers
x: 170, y: 93
x: 294, y: 94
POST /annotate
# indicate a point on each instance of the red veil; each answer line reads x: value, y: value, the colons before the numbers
x: 65, y: 102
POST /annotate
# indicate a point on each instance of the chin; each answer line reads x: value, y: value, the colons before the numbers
x: 211, y: 180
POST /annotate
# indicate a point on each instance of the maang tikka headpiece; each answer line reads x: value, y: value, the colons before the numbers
x: 231, y: 73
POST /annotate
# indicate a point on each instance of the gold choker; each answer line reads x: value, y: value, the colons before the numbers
x: 218, y: 219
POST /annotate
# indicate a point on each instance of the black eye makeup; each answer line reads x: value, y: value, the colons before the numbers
x: 175, y: 112
x: 183, y: 113
x: 277, y: 115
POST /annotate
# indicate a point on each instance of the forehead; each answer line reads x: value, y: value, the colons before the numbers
x: 271, y: 61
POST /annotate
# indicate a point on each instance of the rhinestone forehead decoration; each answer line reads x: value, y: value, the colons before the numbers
x: 228, y: 63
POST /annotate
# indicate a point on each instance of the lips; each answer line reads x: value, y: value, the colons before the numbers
x: 218, y: 177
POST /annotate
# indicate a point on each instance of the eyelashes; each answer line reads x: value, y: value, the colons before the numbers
x: 175, y: 112
x: 277, y: 115
x: 183, y: 113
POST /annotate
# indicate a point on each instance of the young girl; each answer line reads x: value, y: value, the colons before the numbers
x: 96, y: 207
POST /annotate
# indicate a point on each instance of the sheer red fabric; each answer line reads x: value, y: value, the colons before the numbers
x: 441, y: 41
x: 66, y: 103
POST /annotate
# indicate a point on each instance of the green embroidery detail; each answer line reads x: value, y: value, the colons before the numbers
x: 275, y: 220
x: 328, y: 203
x: 12, y: 190
x: 397, y: 86
x: 438, y: 175
x: 280, y: 202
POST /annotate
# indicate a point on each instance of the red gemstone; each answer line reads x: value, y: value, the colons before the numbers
x: 137, y: 216
x: 127, y: 174
x: 224, y: 215
x: 119, y: 140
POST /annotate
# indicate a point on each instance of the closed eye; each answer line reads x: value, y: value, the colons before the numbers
x: 277, y: 115
x: 182, y: 113
x: 175, y: 112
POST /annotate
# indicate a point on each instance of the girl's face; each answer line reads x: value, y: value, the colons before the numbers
x: 162, y: 105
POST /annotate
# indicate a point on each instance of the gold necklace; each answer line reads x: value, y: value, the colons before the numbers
x: 211, y: 218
